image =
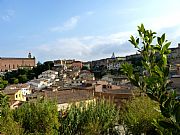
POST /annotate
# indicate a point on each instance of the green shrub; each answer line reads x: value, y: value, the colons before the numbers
x: 7, y: 124
x: 138, y: 116
x: 40, y: 117
x: 93, y: 118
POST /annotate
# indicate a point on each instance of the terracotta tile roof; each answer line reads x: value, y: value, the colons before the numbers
x: 17, y: 86
x: 10, y: 91
x: 67, y: 96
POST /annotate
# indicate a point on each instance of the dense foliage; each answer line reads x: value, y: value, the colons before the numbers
x: 99, y: 71
x: 7, y: 124
x: 93, y: 118
x: 41, y: 117
x: 138, y: 116
x: 3, y: 83
x: 153, y: 80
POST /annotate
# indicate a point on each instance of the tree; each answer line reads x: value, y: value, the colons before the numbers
x: 16, y: 81
x: 85, y: 68
x: 1, y: 86
x: 22, y: 78
x: 153, y: 80
x: 3, y: 83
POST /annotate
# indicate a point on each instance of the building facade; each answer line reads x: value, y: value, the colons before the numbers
x: 8, y: 64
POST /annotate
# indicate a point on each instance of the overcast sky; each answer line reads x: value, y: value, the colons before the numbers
x: 81, y: 29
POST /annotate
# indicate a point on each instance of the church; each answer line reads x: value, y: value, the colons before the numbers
x: 9, y: 64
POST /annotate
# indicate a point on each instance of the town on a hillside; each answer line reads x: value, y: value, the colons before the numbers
x: 70, y: 80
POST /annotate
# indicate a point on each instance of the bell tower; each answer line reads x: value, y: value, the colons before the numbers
x: 29, y: 55
x: 113, y: 56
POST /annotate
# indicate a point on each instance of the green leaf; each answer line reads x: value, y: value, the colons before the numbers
x: 158, y: 70
x: 134, y: 82
x: 127, y: 69
x: 166, y: 124
x: 159, y: 41
x: 137, y: 41
x: 177, y: 112
x: 163, y: 98
x: 157, y: 48
x: 165, y: 112
x: 152, y: 96
x: 167, y: 103
x: 142, y: 28
x: 166, y: 46
x: 164, y: 58
x: 166, y: 71
x: 162, y: 38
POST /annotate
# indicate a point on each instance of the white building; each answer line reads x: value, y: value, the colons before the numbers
x: 115, y: 80
x: 114, y: 65
x: 39, y: 84
x: 49, y: 74
x: 25, y: 88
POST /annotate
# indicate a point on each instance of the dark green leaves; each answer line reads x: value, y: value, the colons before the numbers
x: 134, y: 41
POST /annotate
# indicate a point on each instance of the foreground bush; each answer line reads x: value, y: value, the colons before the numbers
x: 40, y: 117
x: 138, y: 116
x: 7, y: 124
x: 93, y: 118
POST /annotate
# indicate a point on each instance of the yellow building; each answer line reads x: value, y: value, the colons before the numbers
x: 15, y: 94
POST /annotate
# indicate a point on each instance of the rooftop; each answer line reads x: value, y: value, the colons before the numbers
x: 67, y: 96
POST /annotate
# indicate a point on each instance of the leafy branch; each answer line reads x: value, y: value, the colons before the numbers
x: 154, y: 80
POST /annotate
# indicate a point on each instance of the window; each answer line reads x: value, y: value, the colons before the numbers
x: 16, y: 96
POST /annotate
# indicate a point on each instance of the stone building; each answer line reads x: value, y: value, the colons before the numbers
x: 8, y: 64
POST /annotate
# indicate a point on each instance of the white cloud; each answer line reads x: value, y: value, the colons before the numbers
x: 68, y: 25
x: 86, y: 48
x: 165, y: 21
x: 126, y: 11
x: 90, y: 13
x: 9, y: 14
x: 157, y: 23
x: 168, y: 23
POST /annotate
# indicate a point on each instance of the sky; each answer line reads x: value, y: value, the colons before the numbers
x: 82, y: 29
